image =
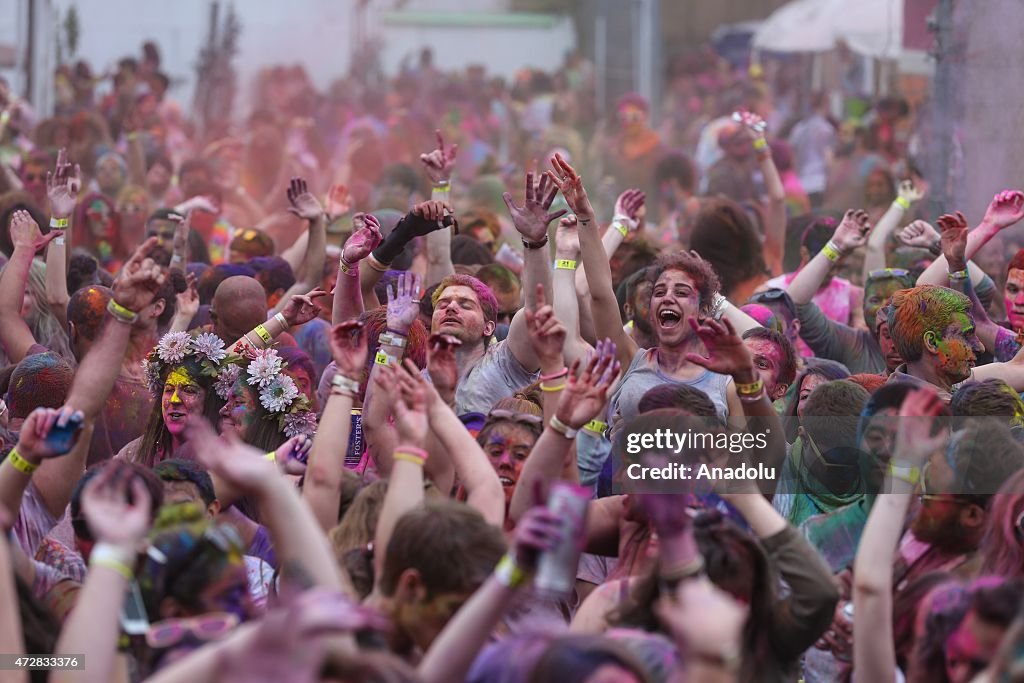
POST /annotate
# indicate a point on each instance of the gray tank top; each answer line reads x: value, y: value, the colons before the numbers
x: 644, y: 373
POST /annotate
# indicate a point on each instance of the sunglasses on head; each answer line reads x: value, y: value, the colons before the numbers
x: 924, y: 496
x: 888, y: 272
x: 526, y: 418
x: 207, y: 628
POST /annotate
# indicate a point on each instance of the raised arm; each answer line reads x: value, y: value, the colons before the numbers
x: 322, y: 488
x: 775, y: 210
x: 547, y: 335
x: 11, y: 639
x: 348, y: 298
x: 604, y: 307
x: 531, y: 221
x: 565, y: 303
x: 1005, y: 209
x: 874, y: 654
x: 851, y: 233
x: 301, y: 546
x: 297, y: 309
x: 439, y: 164
x: 874, y: 256
x: 580, y: 402
x: 117, y: 509
x: 307, y: 207
x: 405, y: 482
x: 62, y: 187
x: 14, y: 332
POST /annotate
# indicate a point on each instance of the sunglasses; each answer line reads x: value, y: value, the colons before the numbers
x: 925, y: 497
x: 821, y: 458
x: 888, y: 272
x: 207, y: 628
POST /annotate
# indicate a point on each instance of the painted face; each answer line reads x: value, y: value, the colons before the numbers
x: 458, y: 313
x: 768, y: 360
x: 971, y: 647
x: 642, y: 306
x: 810, y: 383
x: 238, y: 412
x: 877, y: 293
x: 302, y: 380
x: 956, y: 350
x: 892, y: 356
x: 229, y: 592
x: 631, y: 117
x: 674, y: 300
x: 879, y: 440
x: 182, y: 397
x: 507, y: 446
x: 100, y: 221
x: 1013, y: 298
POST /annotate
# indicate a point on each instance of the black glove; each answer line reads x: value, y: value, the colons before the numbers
x: 409, y: 228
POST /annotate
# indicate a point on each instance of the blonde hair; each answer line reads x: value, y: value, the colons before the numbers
x: 45, y: 327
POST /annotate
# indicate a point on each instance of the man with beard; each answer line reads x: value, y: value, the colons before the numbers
x: 858, y: 350
x: 636, y: 308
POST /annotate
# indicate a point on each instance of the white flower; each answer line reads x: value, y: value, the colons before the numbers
x: 264, y: 367
x: 279, y: 394
x: 226, y: 381
x: 174, y: 346
x: 300, y: 422
x: 211, y: 346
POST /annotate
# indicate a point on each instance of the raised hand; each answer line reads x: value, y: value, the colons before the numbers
x: 532, y: 218
x: 567, y: 239
x: 1006, y: 209
x: 63, y: 186
x: 404, y: 303
x: 569, y: 183
x: 303, y: 203
x: 116, y: 505
x: 348, y: 348
x: 339, y: 201
x: 587, y: 393
x: 915, y: 437
x: 920, y: 234
x: 301, y: 308
x: 727, y: 355
x: 853, y: 230
x: 140, y: 278
x: 34, y: 442
x: 186, y: 304
x: 547, y: 333
x: 439, y: 163
x: 411, y: 407
x: 364, y: 239
x: 25, y: 232
x: 953, y: 239
x: 237, y: 463
x: 182, y: 227
x: 909, y: 192
x: 441, y: 363
x: 753, y: 125
x: 538, y: 530
x: 291, y: 456
x: 627, y: 208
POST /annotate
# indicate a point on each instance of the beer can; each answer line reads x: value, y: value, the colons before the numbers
x: 556, y: 569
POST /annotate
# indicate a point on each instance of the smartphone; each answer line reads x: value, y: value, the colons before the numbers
x: 134, y: 620
x: 61, y: 439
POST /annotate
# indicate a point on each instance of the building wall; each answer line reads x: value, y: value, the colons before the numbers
x: 689, y: 23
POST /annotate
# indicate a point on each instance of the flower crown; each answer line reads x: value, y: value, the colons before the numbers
x: 277, y: 391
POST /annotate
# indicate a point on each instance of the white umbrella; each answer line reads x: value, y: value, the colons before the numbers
x: 870, y: 27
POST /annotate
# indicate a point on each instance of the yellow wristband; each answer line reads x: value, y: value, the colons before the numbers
x: 264, y: 334
x: 557, y: 387
x: 749, y: 389
x: 409, y: 457
x: 121, y: 313
x: 902, y: 203
x: 565, y: 264
x: 623, y: 230
x: 510, y: 574
x: 59, y: 223
x: 119, y: 567
x: 271, y: 456
x: 907, y: 473
x: 830, y: 252
x: 596, y: 426
x: 760, y: 143
x: 383, y: 359
x: 21, y: 464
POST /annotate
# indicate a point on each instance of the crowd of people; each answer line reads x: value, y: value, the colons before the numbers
x: 340, y: 392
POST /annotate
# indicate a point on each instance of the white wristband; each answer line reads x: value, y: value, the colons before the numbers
x: 279, y: 317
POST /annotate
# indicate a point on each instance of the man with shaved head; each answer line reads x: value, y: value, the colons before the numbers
x: 239, y: 305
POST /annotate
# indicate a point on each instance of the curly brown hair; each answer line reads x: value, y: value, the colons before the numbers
x: 703, y: 275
